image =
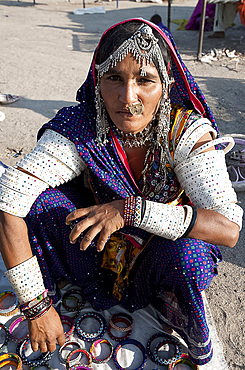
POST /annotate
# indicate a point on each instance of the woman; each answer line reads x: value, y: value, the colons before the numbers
x: 141, y: 140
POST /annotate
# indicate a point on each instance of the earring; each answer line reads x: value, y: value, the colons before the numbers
x: 102, y: 127
x: 163, y: 118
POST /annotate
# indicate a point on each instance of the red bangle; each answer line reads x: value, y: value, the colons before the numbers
x: 127, y: 333
x: 80, y: 351
x: 120, y: 316
x: 66, y: 320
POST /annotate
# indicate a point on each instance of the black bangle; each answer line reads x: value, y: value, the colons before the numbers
x: 192, y: 223
x: 142, y: 208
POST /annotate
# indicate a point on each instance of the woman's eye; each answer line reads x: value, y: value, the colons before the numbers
x: 144, y: 80
x: 114, y: 78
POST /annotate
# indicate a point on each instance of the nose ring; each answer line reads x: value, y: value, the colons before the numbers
x: 136, y: 108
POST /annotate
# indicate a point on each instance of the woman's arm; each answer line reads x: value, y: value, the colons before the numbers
x: 15, y: 249
x: 214, y: 228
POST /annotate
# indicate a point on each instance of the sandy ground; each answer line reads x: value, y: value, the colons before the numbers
x: 45, y: 54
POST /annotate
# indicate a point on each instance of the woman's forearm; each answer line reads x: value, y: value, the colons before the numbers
x: 214, y: 228
x: 14, y: 242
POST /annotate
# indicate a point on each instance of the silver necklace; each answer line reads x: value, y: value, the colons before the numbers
x: 130, y: 140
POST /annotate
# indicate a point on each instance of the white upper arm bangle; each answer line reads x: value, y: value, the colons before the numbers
x: 204, y: 176
x: 53, y: 161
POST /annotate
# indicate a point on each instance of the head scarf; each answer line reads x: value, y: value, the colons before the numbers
x: 108, y: 169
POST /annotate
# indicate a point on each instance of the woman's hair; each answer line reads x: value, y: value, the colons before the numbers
x: 117, y: 35
x: 156, y: 19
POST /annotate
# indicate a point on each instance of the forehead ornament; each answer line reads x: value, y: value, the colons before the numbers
x: 144, y: 47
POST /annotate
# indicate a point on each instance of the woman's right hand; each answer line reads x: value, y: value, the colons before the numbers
x: 46, y: 331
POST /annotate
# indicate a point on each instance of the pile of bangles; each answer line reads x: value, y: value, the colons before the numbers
x: 72, y: 354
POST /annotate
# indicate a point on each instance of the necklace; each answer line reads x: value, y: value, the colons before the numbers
x: 138, y: 140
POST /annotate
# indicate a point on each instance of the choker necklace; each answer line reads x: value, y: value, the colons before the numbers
x: 138, y: 140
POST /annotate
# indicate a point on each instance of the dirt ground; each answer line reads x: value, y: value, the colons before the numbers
x: 45, y: 54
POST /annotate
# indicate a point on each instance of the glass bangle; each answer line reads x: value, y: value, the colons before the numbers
x: 105, y: 359
x: 119, y: 316
x: 12, y: 309
x: 82, y: 352
x: 149, y: 350
x: 41, y: 360
x: 11, y: 359
x: 62, y: 348
x: 13, y: 326
x: 89, y: 337
x: 134, y: 343
x: 184, y: 359
x: 7, y: 335
x: 66, y: 320
x: 127, y: 333
x: 166, y: 361
x: 73, y: 293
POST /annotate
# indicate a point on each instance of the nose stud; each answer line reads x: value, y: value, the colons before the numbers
x: 136, y: 108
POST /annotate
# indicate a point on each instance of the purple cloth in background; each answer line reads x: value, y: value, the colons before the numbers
x: 194, y: 22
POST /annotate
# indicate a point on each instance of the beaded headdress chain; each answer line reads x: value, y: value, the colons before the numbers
x: 143, y: 45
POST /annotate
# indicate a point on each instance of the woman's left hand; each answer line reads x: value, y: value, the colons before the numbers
x: 102, y: 219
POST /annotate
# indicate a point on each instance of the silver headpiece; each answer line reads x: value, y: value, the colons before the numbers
x: 143, y: 45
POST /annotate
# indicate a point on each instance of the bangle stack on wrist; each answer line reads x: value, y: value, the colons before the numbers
x: 38, y: 310
x: 132, y: 211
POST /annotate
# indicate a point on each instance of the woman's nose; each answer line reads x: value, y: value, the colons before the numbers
x: 129, y: 93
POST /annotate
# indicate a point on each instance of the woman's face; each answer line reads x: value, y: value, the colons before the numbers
x: 123, y: 85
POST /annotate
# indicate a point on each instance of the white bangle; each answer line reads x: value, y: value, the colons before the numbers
x: 165, y: 220
x: 26, y: 280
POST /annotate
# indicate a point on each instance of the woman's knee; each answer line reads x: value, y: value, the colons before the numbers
x: 193, y: 259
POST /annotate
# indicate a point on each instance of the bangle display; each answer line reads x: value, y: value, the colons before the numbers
x: 166, y: 361
x: 185, y: 360
x: 64, y: 347
x: 13, y: 308
x: 82, y: 352
x: 95, y: 344
x: 165, y: 336
x: 134, y: 343
x: 7, y: 335
x: 66, y: 320
x: 127, y: 333
x: 11, y: 359
x: 41, y: 360
x: 13, y: 326
x: 119, y: 316
x: 89, y: 337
